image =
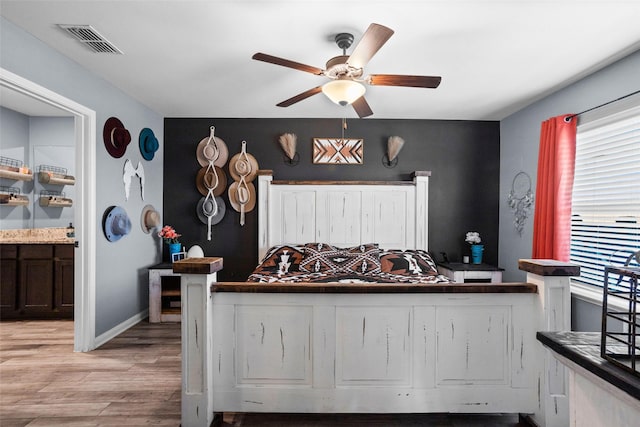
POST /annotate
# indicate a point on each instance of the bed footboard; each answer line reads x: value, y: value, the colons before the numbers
x: 364, y: 353
x: 449, y: 348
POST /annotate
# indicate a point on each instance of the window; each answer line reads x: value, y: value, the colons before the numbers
x: 605, y: 225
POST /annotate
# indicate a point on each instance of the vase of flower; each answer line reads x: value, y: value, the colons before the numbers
x: 473, y: 238
x: 170, y: 237
x: 476, y: 254
x: 174, y: 248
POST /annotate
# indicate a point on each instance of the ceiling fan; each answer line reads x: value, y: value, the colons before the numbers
x: 346, y: 71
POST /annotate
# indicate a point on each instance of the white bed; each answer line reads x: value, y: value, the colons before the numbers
x: 362, y: 348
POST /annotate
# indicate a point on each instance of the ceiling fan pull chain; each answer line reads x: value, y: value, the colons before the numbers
x: 344, y: 126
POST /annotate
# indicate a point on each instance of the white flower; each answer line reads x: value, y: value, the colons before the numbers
x: 473, y: 237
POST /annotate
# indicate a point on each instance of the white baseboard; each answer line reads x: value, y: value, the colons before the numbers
x: 118, y: 329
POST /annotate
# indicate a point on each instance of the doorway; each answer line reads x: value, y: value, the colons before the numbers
x: 85, y: 212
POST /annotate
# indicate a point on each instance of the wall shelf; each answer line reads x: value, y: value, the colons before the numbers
x: 54, y: 175
x: 14, y: 169
x: 10, y: 196
x: 13, y: 200
x: 54, y: 199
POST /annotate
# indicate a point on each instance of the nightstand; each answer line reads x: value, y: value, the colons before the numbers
x: 164, y: 294
x: 461, y: 273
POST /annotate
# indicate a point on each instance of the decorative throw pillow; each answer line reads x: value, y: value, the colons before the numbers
x: 325, y: 258
x: 407, y: 262
x: 281, y: 260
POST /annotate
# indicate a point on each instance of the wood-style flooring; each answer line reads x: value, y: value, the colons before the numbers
x: 134, y: 380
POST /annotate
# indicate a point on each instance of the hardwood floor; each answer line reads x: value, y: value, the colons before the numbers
x: 134, y: 380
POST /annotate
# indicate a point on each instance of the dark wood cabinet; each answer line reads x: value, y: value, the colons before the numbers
x: 8, y: 279
x: 37, y: 281
x: 36, y: 285
x: 63, y: 279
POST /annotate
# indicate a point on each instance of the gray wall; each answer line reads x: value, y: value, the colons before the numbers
x: 121, y: 282
x: 52, y: 143
x: 462, y: 155
x: 519, y: 140
x: 14, y: 143
x: 37, y: 141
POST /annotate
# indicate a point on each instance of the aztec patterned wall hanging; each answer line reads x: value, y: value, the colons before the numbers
x: 340, y: 151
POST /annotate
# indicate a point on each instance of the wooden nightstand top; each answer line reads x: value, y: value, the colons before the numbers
x: 460, y: 266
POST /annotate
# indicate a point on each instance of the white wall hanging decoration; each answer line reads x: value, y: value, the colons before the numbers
x: 243, y: 168
x: 212, y: 154
x: 128, y: 173
x: 520, y: 199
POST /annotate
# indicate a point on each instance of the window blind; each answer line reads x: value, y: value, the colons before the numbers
x: 605, y: 225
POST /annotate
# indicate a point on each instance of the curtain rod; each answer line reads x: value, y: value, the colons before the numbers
x: 568, y: 118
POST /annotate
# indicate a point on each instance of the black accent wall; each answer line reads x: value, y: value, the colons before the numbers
x: 463, y: 157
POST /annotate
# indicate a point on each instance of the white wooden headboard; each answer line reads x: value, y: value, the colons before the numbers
x: 394, y: 214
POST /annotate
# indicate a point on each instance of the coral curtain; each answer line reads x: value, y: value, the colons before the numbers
x: 556, y: 163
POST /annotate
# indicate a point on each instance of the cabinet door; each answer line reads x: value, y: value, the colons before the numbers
x: 63, y: 285
x: 8, y: 286
x: 36, y: 285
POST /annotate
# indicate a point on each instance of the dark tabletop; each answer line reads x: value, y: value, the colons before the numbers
x: 162, y: 266
x: 460, y: 266
x: 583, y: 348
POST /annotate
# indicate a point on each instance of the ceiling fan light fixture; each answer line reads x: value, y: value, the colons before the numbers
x: 343, y: 92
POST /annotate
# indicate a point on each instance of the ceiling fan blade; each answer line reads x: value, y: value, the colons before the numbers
x: 362, y: 107
x: 431, y: 82
x: 372, y: 40
x: 286, y: 63
x: 301, y: 96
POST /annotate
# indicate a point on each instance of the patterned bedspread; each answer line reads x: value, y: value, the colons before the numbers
x: 347, y: 278
x: 323, y: 263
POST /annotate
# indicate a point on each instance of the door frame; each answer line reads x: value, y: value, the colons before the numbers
x: 84, y: 325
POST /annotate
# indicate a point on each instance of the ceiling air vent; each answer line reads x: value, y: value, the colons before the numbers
x: 88, y: 36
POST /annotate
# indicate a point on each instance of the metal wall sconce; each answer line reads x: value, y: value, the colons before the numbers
x: 288, y: 143
x: 394, y: 145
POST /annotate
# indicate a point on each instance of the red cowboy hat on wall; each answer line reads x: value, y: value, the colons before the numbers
x: 116, y: 137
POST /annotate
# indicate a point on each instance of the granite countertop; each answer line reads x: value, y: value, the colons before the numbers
x: 583, y: 348
x: 53, y: 235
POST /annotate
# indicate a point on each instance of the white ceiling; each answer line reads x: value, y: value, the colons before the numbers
x: 193, y: 58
